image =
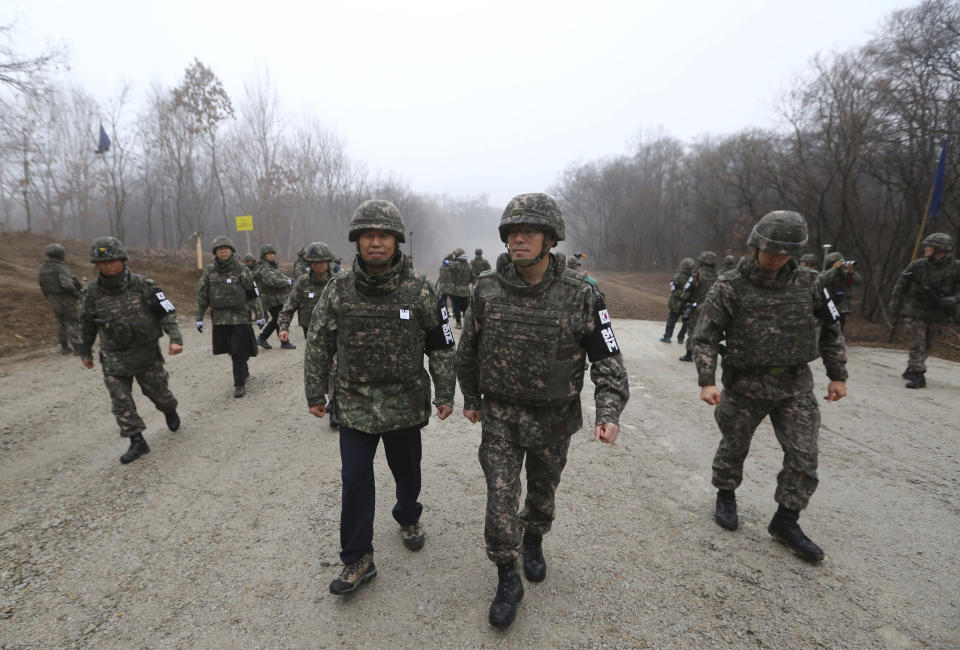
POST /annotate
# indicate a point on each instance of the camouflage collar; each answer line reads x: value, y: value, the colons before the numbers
x: 511, y: 279
x: 762, y: 278
x: 381, y: 283
x: 116, y: 282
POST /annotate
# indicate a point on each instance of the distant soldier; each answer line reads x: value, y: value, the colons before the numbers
x: 301, y: 267
x: 478, y: 265
x: 809, y: 261
x: 445, y: 283
x: 774, y: 320
x: 704, y: 278
x: 926, y: 296
x: 680, y: 289
x: 460, y: 278
x: 130, y: 313
x: 274, y: 285
x: 530, y: 328
x: 228, y: 288
x: 250, y: 262
x: 840, y: 279
x: 378, y: 319
x: 729, y: 263
x: 62, y: 291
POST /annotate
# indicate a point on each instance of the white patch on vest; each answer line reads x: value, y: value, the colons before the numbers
x: 404, y: 314
x: 604, y: 316
x: 229, y: 280
x: 610, y: 340
x: 310, y: 295
x: 160, y: 296
x: 448, y: 333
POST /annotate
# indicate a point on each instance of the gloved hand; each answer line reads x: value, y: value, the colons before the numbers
x: 261, y: 322
x: 199, y: 325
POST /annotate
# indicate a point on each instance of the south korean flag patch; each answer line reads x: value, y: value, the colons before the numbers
x: 601, y: 343
x: 165, y: 302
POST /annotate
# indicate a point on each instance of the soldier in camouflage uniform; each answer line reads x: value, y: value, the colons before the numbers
x: 703, y: 279
x: 808, y: 261
x: 130, y: 313
x: 774, y: 319
x: 840, y: 279
x: 274, y: 285
x: 529, y: 330
x: 250, y: 262
x: 926, y: 296
x: 445, y: 282
x: 729, y: 263
x: 62, y: 291
x: 478, y: 264
x: 460, y: 278
x: 680, y: 288
x: 378, y: 320
x: 228, y: 288
x: 301, y: 267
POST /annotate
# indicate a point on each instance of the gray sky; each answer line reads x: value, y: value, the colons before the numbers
x: 469, y: 97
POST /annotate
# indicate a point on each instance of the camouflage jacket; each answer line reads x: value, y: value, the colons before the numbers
x: 228, y: 288
x: 300, y: 268
x: 460, y: 276
x: 273, y: 283
x: 927, y: 289
x: 445, y: 278
x: 679, y: 291
x: 129, y: 312
x: 522, y: 341
x: 788, y: 316
x: 704, y: 278
x: 303, y: 297
x: 379, y: 327
x: 58, y: 285
x: 477, y: 266
x: 841, y: 284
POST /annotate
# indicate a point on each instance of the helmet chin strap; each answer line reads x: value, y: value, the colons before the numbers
x: 531, y: 261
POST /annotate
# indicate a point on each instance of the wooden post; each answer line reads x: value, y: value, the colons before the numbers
x: 199, y: 249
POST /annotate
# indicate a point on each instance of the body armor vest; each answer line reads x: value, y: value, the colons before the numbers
x: 122, y: 318
x: 380, y: 339
x: 50, y: 279
x: 773, y: 326
x: 311, y: 296
x: 226, y: 291
x: 527, y: 343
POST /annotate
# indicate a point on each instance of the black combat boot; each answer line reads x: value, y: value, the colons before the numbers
x: 138, y: 447
x: 726, y: 512
x: 687, y: 357
x: 917, y: 380
x: 665, y: 339
x: 173, y: 420
x: 784, y: 528
x: 906, y: 374
x: 503, y: 609
x: 239, y: 390
x: 287, y: 345
x: 534, y: 566
x: 262, y: 342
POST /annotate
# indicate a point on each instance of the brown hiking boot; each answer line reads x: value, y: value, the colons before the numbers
x: 413, y: 536
x: 353, y: 575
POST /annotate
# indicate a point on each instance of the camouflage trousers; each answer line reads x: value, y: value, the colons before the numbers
x: 920, y: 335
x: 502, y: 461
x: 690, y: 325
x: 796, y: 423
x: 153, y: 383
x: 67, y: 328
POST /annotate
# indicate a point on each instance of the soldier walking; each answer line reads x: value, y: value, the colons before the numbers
x: 840, y: 279
x: 729, y: 263
x: 301, y: 267
x: 775, y: 319
x: 62, y: 291
x: 529, y: 330
x: 130, y: 313
x: 478, y: 264
x: 926, y: 296
x: 809, y: 261
x: 460, y: 278
x: 378, y: 319
x: 228, y: 288
x: 274, y: 286
x: 680, y: 288
x: 704, y: 278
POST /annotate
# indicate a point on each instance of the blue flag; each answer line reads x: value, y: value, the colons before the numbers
x: 104, y: 145
x: 936, y: 197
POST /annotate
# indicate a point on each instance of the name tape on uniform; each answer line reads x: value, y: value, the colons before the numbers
x: 166, y: 304
x: 404, y: 314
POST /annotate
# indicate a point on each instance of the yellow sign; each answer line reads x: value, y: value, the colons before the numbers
x: 245, y: 223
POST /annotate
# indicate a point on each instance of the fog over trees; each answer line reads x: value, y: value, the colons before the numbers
x: 854, y: 151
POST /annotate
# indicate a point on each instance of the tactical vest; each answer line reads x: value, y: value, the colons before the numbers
x: 380, y: 339
x: 225, y: 288
x: 772, y: 326
x: 311, y: 296
x: 526, y: 342
x: 50, y: 279
x: 123, y: 319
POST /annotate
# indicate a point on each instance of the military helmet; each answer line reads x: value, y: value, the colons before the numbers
x: 535, y: 210
x: 248, y: 258
x: 478, y: 252
x: 105, y: 249
x: 810, y: 258
x: 708, y: 258
x: 56, y: 251
x: 831, y: 259
x: 302, y: 251
x: 687, y: 264
x: 457, y: 252
x: 377, y: 214
x: 939, y: 240
x: 781, y: 232
x: 318, y: 251
x: 267, y: 248
x: 219, y: 242
x: 729, y: 261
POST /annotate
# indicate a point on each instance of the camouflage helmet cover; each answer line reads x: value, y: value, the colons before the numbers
x: 248, y: 258
x: 707, y: 257
x: 687, y: 264
x: 939, y: 240
x: 318, y: 251
x: 105, y: 249
x: 536, y: 210
x: 809, y: 258
x: 56, y: 251
x: 220, y: 242
x: 831, y: 259
x: 457, y: 252
x: 266, y: 249
x: 781, y: 232
x: 478, y: 252
x: 380, y: 215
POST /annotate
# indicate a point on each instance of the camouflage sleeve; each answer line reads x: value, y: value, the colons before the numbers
x: 714, y: 315
x: 203, y: 296
x: 250, y: 286
x: 899, y: 290
x: 833, y: 348
x: 321, y: 346
x: 273, y: 278
x: 69, y: 283
x: 468, y: 360
x: 87, y: 329
x: 608, y: 374
x: 441, y: 354
x: 162, y: 308
x: 292, y: 304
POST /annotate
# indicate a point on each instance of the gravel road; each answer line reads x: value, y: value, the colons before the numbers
x: 226, y: 534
